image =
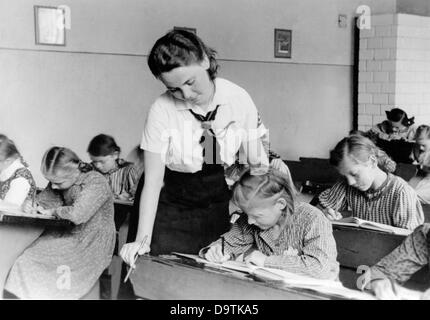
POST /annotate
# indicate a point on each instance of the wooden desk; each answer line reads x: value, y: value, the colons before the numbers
x: 357, y: 247
x: 426, y: 210
x: 165, y: 279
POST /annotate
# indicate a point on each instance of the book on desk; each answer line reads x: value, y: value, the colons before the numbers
x: 288, y: 279
x: 14, y: 215
x: 365, y: 224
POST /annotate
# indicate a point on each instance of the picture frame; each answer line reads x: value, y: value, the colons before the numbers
x: 193, y: 30
x: 283, y: 38
x: 49, y: 24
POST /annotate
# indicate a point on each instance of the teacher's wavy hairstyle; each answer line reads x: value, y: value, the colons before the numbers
x: 179, y: 48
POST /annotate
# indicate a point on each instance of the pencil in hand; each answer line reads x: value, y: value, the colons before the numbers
x: 135, y: 258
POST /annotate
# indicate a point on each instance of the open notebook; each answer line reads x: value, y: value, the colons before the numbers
x: 288, y: 279
x: 13, y: 214
x: 365, y: 224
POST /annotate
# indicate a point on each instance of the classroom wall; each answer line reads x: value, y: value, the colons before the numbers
x: 394, y: 68
x: 99, y: 82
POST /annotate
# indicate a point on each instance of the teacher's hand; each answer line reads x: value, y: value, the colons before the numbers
x: 130, y: 250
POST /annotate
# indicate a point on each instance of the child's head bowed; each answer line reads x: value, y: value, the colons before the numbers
x: 61, y: 166
x: 104, y: 152
x: 356, y: 158
x: 264, y: 198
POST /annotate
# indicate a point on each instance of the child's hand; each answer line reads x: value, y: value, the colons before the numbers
x: 214, y: 254
x: 332, y: 214
x: 256, y: 258
x: 385, y: 289
x: 27, y: 207
x: 45, y: 212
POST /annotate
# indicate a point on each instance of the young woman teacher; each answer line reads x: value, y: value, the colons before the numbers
x: 192, y: 132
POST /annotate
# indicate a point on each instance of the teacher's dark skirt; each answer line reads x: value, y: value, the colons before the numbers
x: 193, y: 211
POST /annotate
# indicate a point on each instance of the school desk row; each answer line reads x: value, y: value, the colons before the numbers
x: 356, y: 247
x: 164, y: 278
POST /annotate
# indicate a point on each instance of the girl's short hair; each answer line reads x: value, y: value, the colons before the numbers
x: 423, y: 132
x: 102, y: 145
x: 360, y: 148
x: 397, y: 115
x: 62, y: 159
x: 179, y: 48
x: 259, y: 189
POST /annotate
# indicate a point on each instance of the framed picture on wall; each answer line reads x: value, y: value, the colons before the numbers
x: 49, y: 24
x: 282, y: 43
x: 193, y: 30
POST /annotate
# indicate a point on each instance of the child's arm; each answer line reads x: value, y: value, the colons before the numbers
x: 333, y: 200
x: 95, y: 192
x: 49, y: 198
x: 236, y: 241
x: 407, y: 212
x: 406, y: 259
x: 318, y: 258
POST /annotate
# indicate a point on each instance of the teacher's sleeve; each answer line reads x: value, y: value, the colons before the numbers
x: 155, y: 137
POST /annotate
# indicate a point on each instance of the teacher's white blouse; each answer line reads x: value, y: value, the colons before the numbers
x: 173, y: 132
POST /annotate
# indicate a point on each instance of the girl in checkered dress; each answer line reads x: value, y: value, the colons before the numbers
x: 276, y: 231
x: 368, y: 191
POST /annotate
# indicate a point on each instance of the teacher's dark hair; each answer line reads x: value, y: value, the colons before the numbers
x: 179, y: 48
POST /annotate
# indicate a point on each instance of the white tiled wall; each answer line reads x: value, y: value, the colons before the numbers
x: 394, y: 68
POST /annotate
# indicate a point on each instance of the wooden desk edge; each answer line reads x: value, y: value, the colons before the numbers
x: 210, y: 274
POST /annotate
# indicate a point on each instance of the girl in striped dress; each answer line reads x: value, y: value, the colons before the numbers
x: 367, y: 190
x: 122, y: 175
x: 276, y: 231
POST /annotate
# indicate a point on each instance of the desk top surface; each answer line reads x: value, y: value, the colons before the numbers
x: 178, y: 278
x: 29, y: 219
